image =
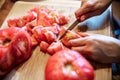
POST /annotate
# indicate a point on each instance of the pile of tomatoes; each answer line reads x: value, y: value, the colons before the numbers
x: 41, y: 27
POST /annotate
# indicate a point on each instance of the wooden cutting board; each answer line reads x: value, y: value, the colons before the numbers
x: 33, y: 68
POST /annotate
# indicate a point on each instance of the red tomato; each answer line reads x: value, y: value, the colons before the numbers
x: 52, y: 17
x: 39, y: 34
x: 12, y: 22
x: 43, y: 46
x: 63, y: 20
x: 54, y: 29
x: 34, y: 41
x: 43, y: 22
x: 57, y: 28
x: 47, y: 34
x: 7, y: 34
x: 68, y: 65
x: 62, y: 30
x: 68, y: 36
x: 54, y: 47
x: 23, y: 20
x: 31, y: 15
x: 31, y: 25
x: 50, y: 36
x: 7, y: 61
x: 41, y: 19
x: 22, y: 44
x: 17, y: 51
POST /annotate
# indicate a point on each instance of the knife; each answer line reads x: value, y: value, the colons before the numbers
x: 69, y: 28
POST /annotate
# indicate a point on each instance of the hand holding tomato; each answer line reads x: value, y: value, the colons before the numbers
x: 68, y: 65
x: 68, y: 36
x: 100, y: 48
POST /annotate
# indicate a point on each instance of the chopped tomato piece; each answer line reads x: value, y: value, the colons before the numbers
x: 12, y: 22
x: 38, y: 34
x: 54, y: 29
x: 31, y: 25
x: 34, y: 41
x: 43, y: 46
x: 54, y: 47
x: 63, y: 20
x: 41, y: 19
x: 23, y: 20
x: 50, y: 36
x: 68, y: 36
x: 62, y: 30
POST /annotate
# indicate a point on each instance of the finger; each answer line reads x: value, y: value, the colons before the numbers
x: 90, y: 14
x: 79, y: 49
x: 85, y: 8
x: 77, y: 42
x: 83, y: 34
x: 81, y: 11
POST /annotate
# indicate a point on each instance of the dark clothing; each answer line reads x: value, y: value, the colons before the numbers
x: 115, y: 23
x: 116, y: 17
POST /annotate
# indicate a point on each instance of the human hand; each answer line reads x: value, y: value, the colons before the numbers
x: 98, y: 47
x: 91, y: 8
x: 95, y: 23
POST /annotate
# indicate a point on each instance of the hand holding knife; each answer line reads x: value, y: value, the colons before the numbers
x: 69, y: 28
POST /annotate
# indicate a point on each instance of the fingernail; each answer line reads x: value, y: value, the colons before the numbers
x: 82, y: 18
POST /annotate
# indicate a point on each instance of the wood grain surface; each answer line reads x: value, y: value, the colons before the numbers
x: 33, y: 68
x: 4, y: 10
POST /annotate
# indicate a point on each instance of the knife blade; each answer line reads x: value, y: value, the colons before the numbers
x: 69, y: 28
